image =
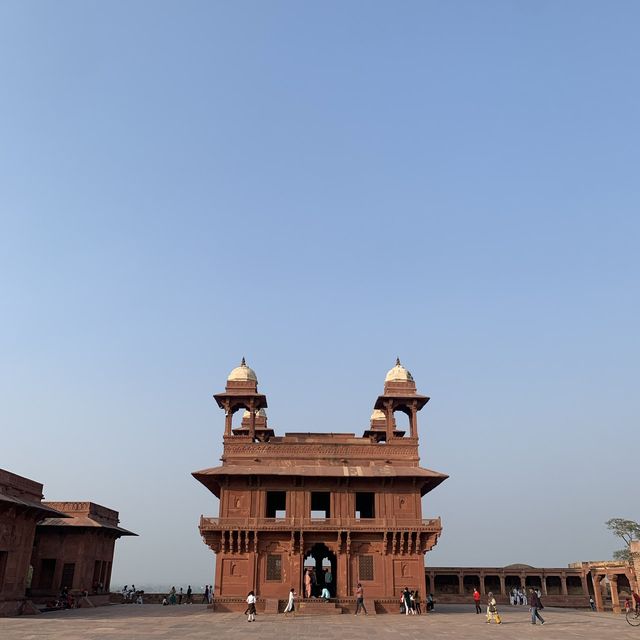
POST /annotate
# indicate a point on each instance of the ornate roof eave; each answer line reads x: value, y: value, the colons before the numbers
x: 428, y: 479
x: 409, y: 398
x: 38, y: 508
x: 260, y: 400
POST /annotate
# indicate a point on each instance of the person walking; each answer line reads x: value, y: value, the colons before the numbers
x: 535, y: 605
x: 290, y: 608
x: 205, y: 597
x: 492, y: 609
x: 406, y: 598
x: 476, y: 600
x: 360, y: 600
x: 592, y: 603
x: 418, y: 603
x: 189, y: 594
x: 180, y: 596
x: 251, y: 607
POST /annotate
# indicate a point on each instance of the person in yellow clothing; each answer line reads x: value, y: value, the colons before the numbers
x: 492, y: 609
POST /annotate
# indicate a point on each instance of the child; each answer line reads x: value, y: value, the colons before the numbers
x: 492, y: 610
x: 251, y: 607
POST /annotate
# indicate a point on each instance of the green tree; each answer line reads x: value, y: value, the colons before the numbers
x: 628, y: 530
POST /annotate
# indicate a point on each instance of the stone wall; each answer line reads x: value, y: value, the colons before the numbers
x: 635, y: 553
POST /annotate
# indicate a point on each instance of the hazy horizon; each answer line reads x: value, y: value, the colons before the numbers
x: 322, y: 187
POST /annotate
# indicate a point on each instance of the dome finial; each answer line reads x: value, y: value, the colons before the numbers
x: 243, y: 363
x: 398, y: 362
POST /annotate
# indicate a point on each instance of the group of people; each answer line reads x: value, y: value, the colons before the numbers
x: 533, y: 599
x: 410, y: 602
x: 519, y: 597
x: 132, y: 594
x: 313, y: 587
x: 207, y: 594
x: 176, y: 597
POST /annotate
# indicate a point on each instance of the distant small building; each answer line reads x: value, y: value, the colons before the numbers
x: 75, y: 550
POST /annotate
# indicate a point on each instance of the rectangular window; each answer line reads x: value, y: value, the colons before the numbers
x: 274, y: 567
x: 47, y: 570
x: 320, y: 504
x: 68, y: 569
x: 365, y: 566
x: 365, y: 505
x: 3, y: 567
x: 276, y: 504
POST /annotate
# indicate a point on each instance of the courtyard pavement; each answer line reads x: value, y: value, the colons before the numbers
x: 155, y: 622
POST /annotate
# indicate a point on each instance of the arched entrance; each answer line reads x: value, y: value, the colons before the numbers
x: 321, y: 562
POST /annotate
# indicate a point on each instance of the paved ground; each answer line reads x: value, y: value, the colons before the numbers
x: 154, y: 622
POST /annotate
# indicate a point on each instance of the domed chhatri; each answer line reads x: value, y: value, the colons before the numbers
x: 261, y: 413
x: 243, y: 373
x: 398, y: 374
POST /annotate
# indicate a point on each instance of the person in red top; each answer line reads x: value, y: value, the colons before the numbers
x: 476, y: 599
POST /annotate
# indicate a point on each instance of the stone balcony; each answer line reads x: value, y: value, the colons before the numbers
x: 432, y: 525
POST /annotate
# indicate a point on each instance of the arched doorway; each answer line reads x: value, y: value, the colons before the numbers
x: 322, y: 566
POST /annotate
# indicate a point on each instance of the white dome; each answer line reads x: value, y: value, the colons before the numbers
x: 378, y: 415
x: 261, y: 413
x: 398, y: 374
x: 242, y: 374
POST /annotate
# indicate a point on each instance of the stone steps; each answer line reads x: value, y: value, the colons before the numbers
x: 318, y: 608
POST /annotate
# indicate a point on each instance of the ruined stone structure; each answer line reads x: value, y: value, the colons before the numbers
x: 348, y: 503
x: 21, y: 507
x: 609, y: 580
x: 75, y: 550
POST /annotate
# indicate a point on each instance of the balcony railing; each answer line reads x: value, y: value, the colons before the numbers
x: 306, y: 524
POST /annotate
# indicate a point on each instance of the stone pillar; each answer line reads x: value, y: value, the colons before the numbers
x: 635, y: 562
x: 585, y: 585
x: 460, y: 584
x: 615, y: 600
x: 597, y: 593
x: 414, y: 421
x: 563, y: 586
x: 252, y: 421
x: 543, y: 584
x: 388, y: 410
x: 341, y: 586
x: 482, y: 591
x: 228, y: 416
x: 432, y: 583
x: 503, y: 586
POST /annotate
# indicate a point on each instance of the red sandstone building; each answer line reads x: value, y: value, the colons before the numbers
x: 351, y: 503
x: 75, y: 550
x: 45, y: 546
x: 21, y: 508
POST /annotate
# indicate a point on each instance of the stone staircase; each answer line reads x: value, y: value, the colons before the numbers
x: 318, y: 608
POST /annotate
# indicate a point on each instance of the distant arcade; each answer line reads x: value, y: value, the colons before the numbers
x: 334, y: 503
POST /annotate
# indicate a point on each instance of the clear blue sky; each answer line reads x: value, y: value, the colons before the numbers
x: 320, y: 187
